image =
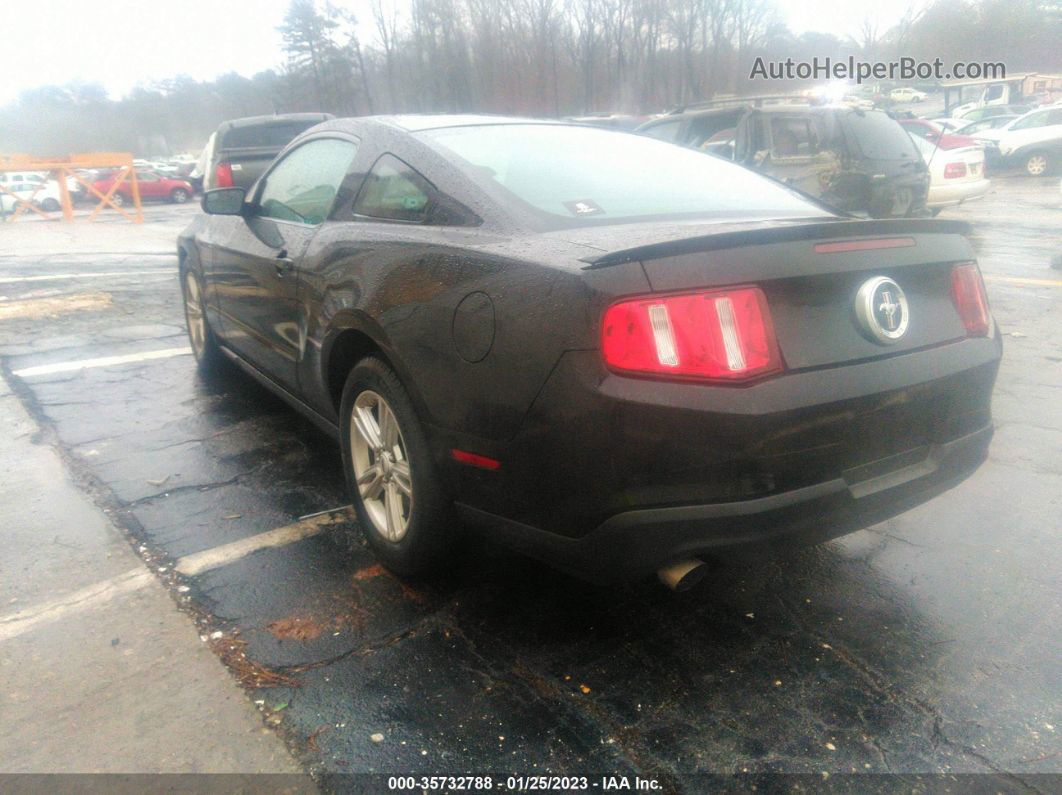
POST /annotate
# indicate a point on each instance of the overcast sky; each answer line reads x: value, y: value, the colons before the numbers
x: 120, y: 43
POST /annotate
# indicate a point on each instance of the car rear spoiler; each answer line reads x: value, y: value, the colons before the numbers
x: 780, y: 233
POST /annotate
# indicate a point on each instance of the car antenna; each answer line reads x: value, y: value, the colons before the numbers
x: 936, y: 146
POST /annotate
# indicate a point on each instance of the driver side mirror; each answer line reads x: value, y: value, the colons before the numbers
x: 224, y: 201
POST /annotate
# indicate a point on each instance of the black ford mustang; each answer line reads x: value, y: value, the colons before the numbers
x: 611, y: 352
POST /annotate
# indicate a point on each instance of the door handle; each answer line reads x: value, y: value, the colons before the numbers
x: 283, y: 265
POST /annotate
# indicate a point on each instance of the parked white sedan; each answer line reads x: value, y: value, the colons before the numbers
x: 956, y: 175
x: 907, y: 94
x: 43, y: 194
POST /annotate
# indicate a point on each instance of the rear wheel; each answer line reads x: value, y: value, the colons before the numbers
x: 179, y: 196
x: 119, y: 200
x: 201, y: 338
x: 401, y: 504
x: 49, y: 205
x: 1037, y: 164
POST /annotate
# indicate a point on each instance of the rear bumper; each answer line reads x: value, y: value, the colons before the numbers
x: 635, y: 543
x: 611, y: 477
x: 948, y: 195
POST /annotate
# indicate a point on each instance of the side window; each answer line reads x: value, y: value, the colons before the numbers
x: 394, y: 191
x: 993, y: 92
x: 707, y: 132
x: 793, y: 137
x: 1031, y: 122
x: 302, y: 187
x: 665, y: 132
x: 146, y: 176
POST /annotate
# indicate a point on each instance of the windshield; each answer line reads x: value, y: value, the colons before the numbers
x: 878, y: 137
x: 581, y: 176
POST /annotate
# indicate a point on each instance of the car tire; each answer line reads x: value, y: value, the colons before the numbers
x: 119, y: 199
x: 208, y: 356
x: 1037, y: 164
x: 49, y: 205
x: 401, y: 503
x: 179, y: 196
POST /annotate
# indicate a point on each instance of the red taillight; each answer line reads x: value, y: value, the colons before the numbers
x: 968, y: 293
x: 723, y: 334
x: 223, y: 174
x: 954, y: 170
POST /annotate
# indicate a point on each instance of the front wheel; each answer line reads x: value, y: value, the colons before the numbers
x: 179, y: 196
x: 399, y: 499
x: 1037, y: 164
x: 119, y: 199
x: 49, y: 205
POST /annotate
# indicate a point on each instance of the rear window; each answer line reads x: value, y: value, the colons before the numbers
x: 878, y: 137
x: 275, y: 135
x: 581, y: 176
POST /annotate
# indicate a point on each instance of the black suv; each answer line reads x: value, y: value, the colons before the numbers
x: 855, y: 160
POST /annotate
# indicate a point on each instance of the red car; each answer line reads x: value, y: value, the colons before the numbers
x: 935, y: 135
x: 153, y: 187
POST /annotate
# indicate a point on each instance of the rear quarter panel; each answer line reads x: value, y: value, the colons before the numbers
x: 403, y: 285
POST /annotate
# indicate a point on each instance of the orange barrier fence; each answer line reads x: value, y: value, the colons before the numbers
x: 62, y: 169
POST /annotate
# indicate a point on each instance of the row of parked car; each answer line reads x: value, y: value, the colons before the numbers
x: 855, y: 158
x: 41, y: 191
x: 234, y: 156
x: 1015, y: 136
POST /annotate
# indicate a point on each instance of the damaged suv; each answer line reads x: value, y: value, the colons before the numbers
x: 857, y: 161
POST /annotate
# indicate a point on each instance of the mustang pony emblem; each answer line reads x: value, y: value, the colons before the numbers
x: 890, y: 309
x: 881, y: 310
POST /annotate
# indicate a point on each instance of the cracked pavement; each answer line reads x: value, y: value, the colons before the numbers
x: 927, y: 644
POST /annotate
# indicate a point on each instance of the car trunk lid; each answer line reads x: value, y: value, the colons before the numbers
x: 811, y: 274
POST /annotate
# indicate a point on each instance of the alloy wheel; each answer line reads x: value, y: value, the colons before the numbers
x: 381, y: 465
x: 1036, y: 165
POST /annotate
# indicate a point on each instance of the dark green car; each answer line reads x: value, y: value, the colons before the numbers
x: 857, y: 161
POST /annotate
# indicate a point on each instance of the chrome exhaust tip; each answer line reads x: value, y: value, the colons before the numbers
x: 683, y: 575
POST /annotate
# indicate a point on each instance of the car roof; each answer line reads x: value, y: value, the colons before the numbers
x: 415, y: 122
x: 787, y: 107
x: 254, y: 121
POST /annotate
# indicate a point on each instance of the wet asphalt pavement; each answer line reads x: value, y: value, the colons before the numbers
x: 927, y: 644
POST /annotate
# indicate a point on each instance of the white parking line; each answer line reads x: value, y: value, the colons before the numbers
x: 62, y: 276
x: 104, y: 361
x: 15, y: 624
x: 227, y: 553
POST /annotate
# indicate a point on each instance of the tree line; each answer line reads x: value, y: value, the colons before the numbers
x: 532, y: 57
